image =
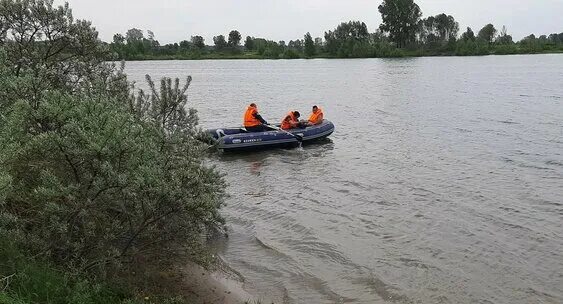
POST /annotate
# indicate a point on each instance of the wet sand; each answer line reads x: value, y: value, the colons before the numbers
x: 220, y: 286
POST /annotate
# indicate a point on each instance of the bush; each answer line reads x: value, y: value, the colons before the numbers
x: 290, y: 54
x: 92, y: 176
x: 271, y: 52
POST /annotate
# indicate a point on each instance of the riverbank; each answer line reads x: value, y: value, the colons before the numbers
x: 25, y: 279
x: 220, y: 286
x: 394, y: 54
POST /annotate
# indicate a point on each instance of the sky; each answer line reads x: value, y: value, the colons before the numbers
x: 176, y: 20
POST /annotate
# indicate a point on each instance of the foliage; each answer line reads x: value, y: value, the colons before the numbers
x: 434, y: 35
x: 92, y: 176
x: 249, y: 43
x: 400, y: 20
x: 234, y: 38
x: 310, y: 48
x: 487, y: 33
x: 46, y: 41
x: 468, y: 35
x: 134, y: 35
x: 504, y: 38
x: 198, y: 42
x: 219, y: 42
x: 343, y: 40
x: 438, y: 30
x: 290, y: 54
x: 30, y: 280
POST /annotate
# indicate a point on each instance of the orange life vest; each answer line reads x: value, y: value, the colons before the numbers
x: 249, y: 119
x: 316, y: 118
x: 287, y: 124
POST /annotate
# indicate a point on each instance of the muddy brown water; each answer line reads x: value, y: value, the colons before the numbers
x: 443, y: 182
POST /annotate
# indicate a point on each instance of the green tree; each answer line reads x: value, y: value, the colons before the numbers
x: 555, y: 38
x: 310, y: 50
x: 341, y: 41
x: 531, y: 44
x: 487, y: 33
x: 134, y: 35
x: 468, y: 35
x: 249, y: 43
x: 296, y: 45
x: 447, y: 27
x: 118, y: 46
x: 151, y: 43
x: 319, y: 44
x: 503, y: 37
x: 198, y: 42
x: 219, y: 42
x: 400, y: 20
x: 438, y: 30
x: 118, y: 39
x: 234, y: 39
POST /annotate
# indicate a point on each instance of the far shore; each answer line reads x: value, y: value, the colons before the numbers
x: 258, y: 57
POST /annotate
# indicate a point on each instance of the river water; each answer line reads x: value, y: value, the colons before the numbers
x: 443, y: 182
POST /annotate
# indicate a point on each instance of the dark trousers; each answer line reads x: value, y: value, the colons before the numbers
x: 259, y: 128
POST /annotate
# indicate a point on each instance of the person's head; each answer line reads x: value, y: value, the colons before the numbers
x: 253, y: 105
x: 296, y: 114
x: 315, y: 109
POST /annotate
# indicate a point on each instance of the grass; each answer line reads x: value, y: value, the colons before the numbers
x: 27, y: 280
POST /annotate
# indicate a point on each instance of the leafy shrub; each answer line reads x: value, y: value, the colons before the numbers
x: 91, y: 175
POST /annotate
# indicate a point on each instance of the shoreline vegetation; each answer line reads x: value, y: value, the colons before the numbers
x: 255, y: 56
x: 403, y: 33
x: 105, y: 195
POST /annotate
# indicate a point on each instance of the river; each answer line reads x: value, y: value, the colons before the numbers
x: 443, y: 182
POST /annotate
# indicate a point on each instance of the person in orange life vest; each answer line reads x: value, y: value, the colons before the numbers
x: 253, y: 122
x: 291, y: 120
x: 316, y: 117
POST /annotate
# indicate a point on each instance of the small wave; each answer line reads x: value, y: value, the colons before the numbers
x: 417, y: 264
x: 256, y: 194
x: 554, y: 163
x: 557, y: 204
x: 508, y: 122
x: 385, y: 291
x: 542, y: 294
x: 261, y: 243
x: 509, y: 209
x: 310, y: 280
x: 525, y: 165
x: 507, y: 160
x: 535, y: 167
x: 461, y: 130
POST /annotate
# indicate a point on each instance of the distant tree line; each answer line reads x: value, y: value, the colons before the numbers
x: 403, y: 32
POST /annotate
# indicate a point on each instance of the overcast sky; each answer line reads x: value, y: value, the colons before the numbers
x: 176, y: 20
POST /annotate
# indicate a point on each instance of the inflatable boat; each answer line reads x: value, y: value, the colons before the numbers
x: 238, y: 139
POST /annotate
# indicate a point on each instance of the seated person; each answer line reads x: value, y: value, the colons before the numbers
x: 291, y: 120
x: 253, y: 122
x: 316, y: 117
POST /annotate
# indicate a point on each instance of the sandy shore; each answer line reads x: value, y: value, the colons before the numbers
x: 219, y: 286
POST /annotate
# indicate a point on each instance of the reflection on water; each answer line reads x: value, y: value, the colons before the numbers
x: 441, y: 184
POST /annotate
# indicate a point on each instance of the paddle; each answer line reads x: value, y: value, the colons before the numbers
x: 298, y: 137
